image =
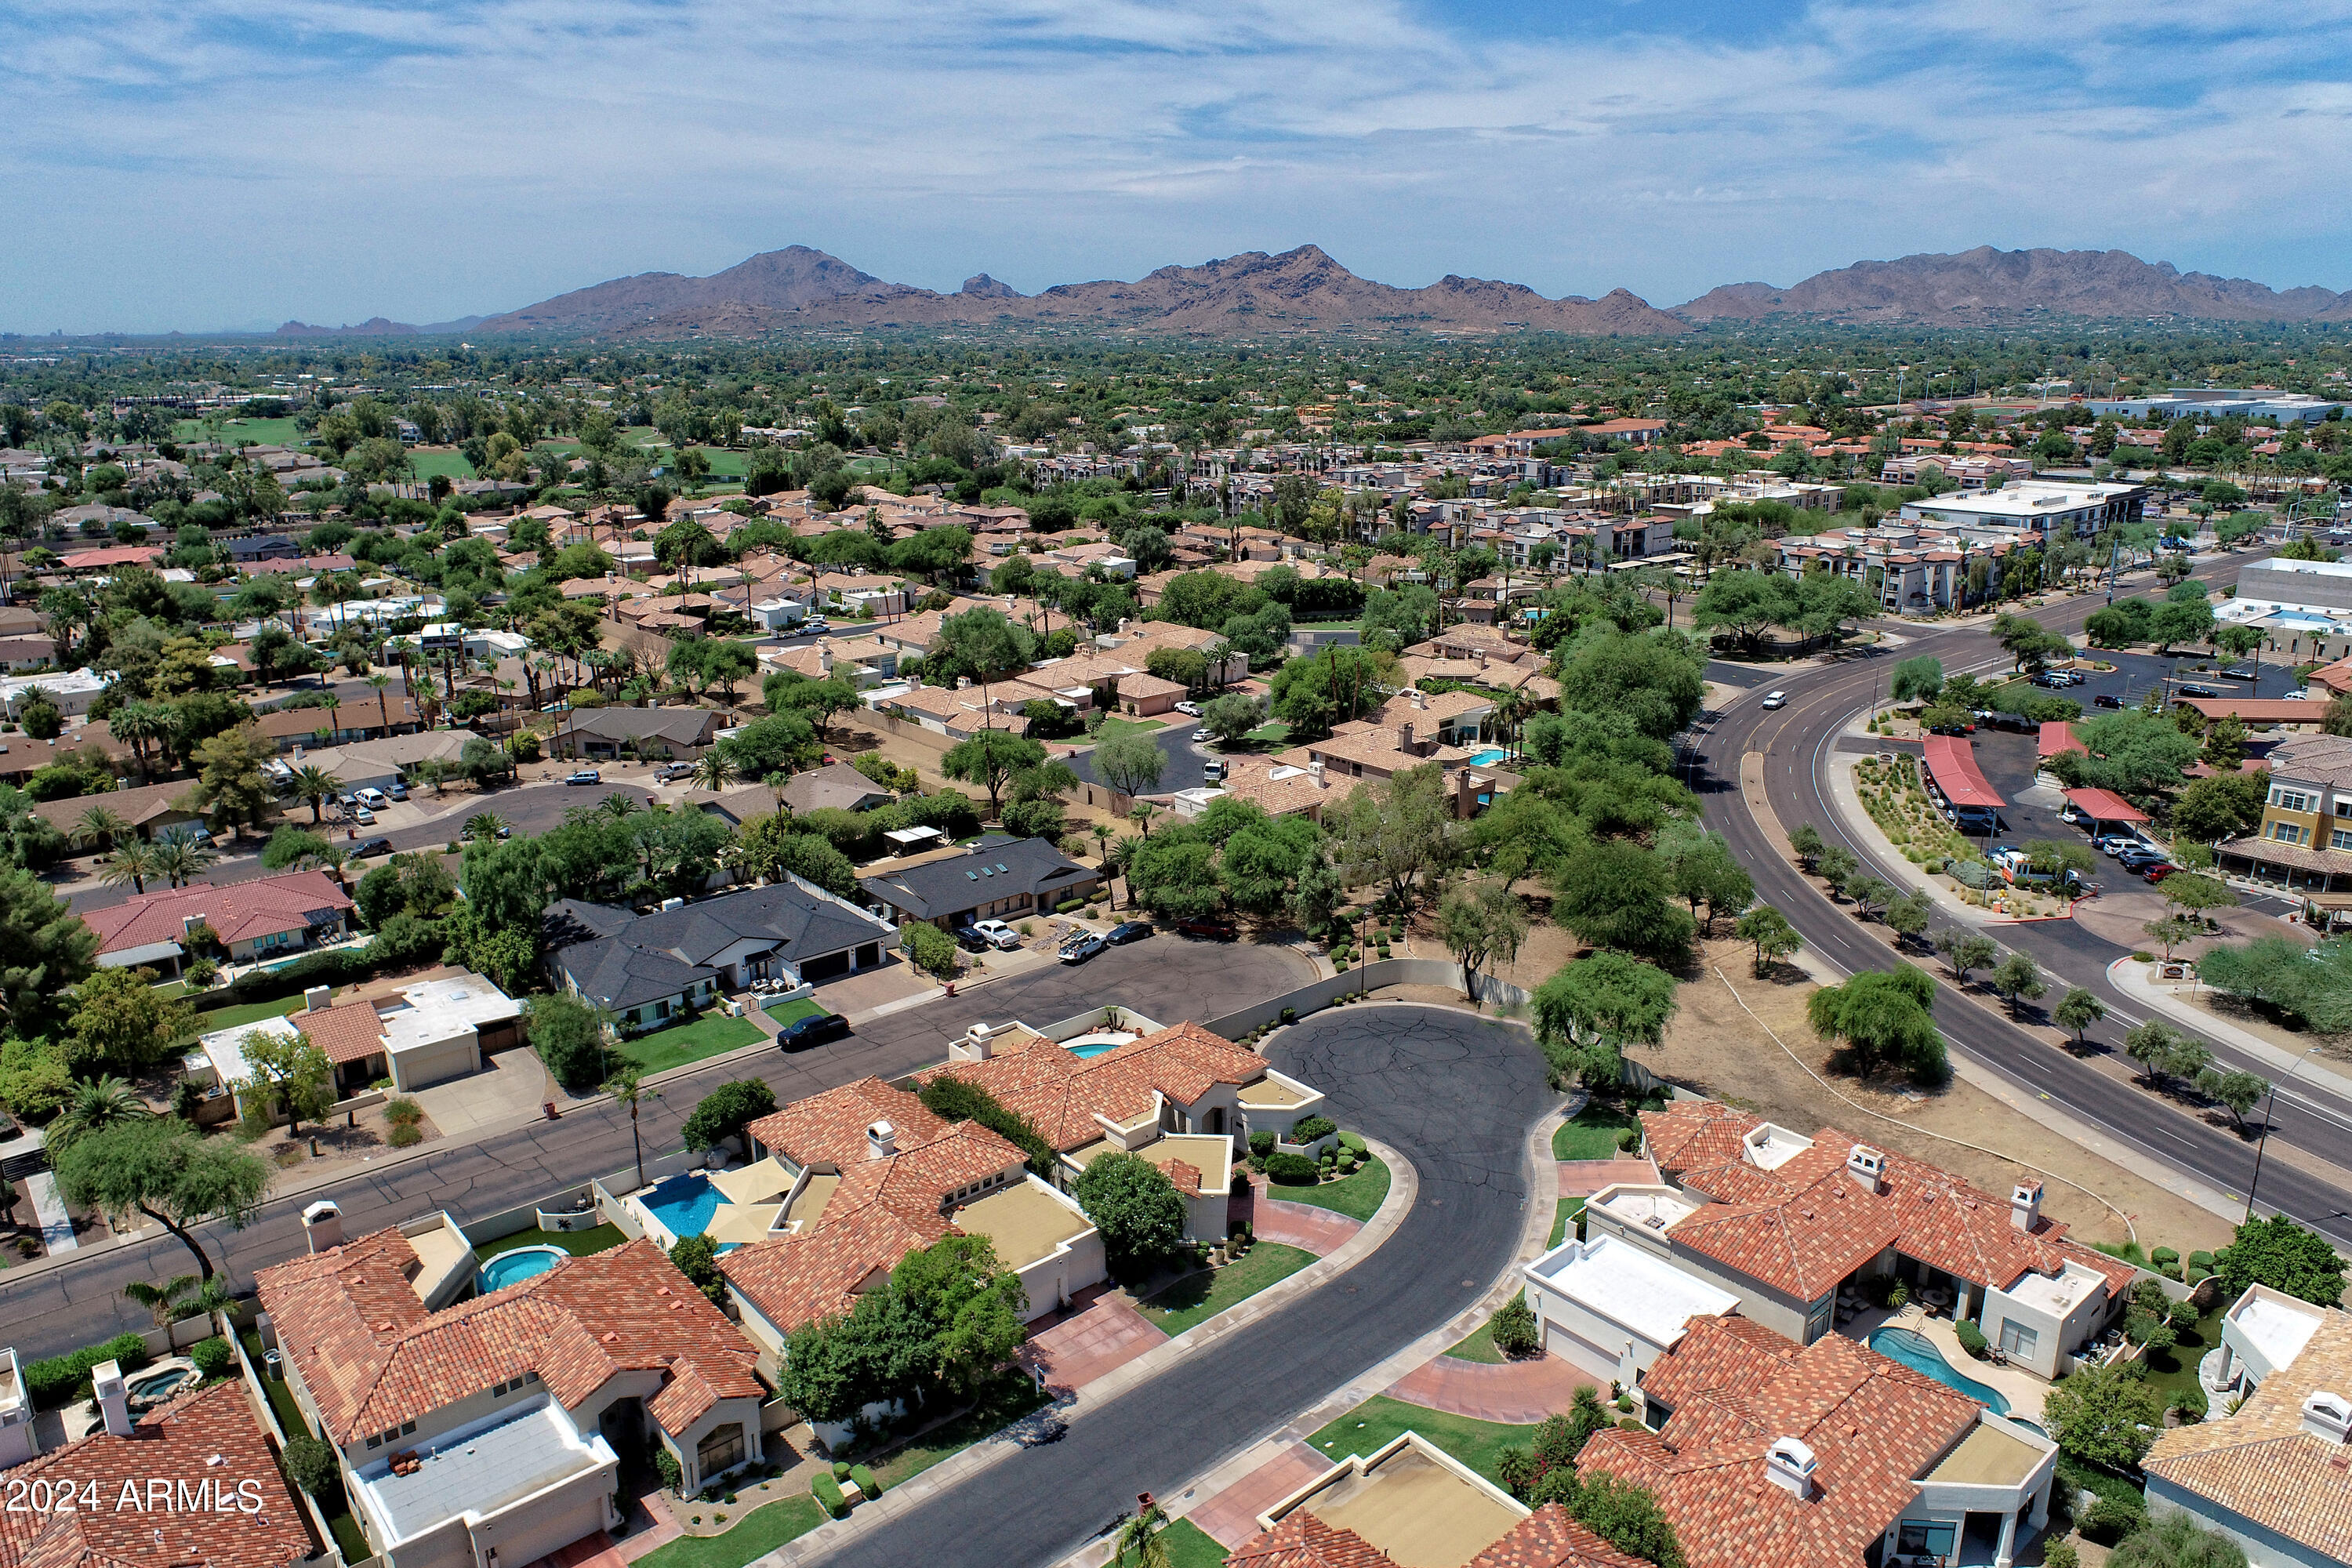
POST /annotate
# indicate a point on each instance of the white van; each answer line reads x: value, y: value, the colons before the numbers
x: 374, y: 799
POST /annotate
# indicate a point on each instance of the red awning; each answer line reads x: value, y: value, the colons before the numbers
x: 1952, y: 763
x: 2057, y: 736
x: 2103, y: 806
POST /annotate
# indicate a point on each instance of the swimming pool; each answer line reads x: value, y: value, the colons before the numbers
x: 683, y: 1203
x: 1089, y: 1046
x: 521, y: 1264
x: 1489, y: 757
x: 1918, y: 1353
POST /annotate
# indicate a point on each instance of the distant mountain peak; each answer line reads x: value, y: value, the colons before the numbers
x: 980, y: 286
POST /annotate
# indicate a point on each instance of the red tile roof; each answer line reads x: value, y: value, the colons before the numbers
x: 1299, y: 1539
x: 374, y: 1357
x: 350, y: 1032
x: 829, y: 1129
x: 1060, y: 1094
x: 1873, y: 1424
x: 209, y: 1437
x: 1548, y: 1538
x: 238, y: 910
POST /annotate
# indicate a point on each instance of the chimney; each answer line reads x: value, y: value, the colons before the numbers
x: 298, y: 753
x: 316, y: 998
x: 1315, y: 772
x: 1404, y: 737
x: 881, y: 1141
x: 2326, y: 1416
x: 1788, y: 1465
x: 114, y: 1397
x: 1866, y: 1166
x: 188, y: 923
x: 322, y: 1222
x: 963, y: 683
x: 976, y: 1041
x: 1419, y: 699
x: 2025, y: 1206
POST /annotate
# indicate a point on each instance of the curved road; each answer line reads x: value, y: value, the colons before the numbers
x: 1169, y: 978
x: 1795, y: 743
x: 1452, y: 1093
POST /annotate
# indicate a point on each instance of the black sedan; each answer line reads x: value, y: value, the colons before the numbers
x: 1126, y: 931
x: 812, y: 1029
x: 367, y: 847
x: 969, y: 940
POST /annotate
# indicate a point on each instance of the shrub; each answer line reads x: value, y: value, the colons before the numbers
x: 310, y: 1463
x: 1630, y: 1140
x: 403, y: 1112
x: 2201, y: 1259
x: 1513, y: 1328
x: 1971, y: 1338
x: 1290, y: 1015
x: 2061, y: 1554
x: 1292, y: 1170
x: 928, y: 948
x: 1261, y: 1143
x: 865, y: 1481
x: 2183, y: 1315
x: 2189, y: 1400
x: 1353, y: 1143
x: 213, y: 1357
x: 2163, y: 1258
x: 828, y: 1492
x: 404, y: 1135
x: 52, y: 1382
x: 2111, y: 1518
x: 1347, y: 1164
x: 666, y: 1463
x: 1311, y: 1128
x: 841, y: 1469
x: 726, y: 1110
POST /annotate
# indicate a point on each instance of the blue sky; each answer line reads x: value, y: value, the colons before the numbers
x: 200, y: 163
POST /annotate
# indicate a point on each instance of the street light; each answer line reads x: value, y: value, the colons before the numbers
x: 2263, y: 1139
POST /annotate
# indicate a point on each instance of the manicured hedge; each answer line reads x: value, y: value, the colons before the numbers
x: 1293, y: 1170
x: 867, y: 1484
x: 53, y: 1382
x: 828, y: 1494
x: 1312, y: 1128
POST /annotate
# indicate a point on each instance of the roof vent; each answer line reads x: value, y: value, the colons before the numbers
x: 1789, y: 1464
x: 2327, y: 1416
x: 881, y: 1141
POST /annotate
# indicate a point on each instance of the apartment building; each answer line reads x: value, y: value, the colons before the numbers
x: 2305, y: 842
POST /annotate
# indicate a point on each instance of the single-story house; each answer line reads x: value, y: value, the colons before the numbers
x: 428, y: 1031
x: 150, y: 808
x: 269, y: 917
x: 836, y: 785
x: 610, y: 732
x: 648, y: 969
x: 998, y: 878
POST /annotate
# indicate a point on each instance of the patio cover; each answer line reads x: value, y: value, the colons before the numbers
x: 2057, y: 736
x: 1952, y: 762
x: 2103, y: 806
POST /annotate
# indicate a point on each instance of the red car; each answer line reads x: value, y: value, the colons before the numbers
x: 2158, y: 873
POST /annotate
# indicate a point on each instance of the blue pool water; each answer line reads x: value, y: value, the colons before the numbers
x: 683, y: 1204
x: 1489, y: 757
x: 523, y: 1263
x: 1084, y: 1052
x: 1919, y: 1354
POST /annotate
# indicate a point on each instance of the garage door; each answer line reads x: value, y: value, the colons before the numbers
x: 827, y: 967
x: 1581, y: 1354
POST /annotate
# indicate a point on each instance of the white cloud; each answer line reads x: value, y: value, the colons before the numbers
x: 223, y: 159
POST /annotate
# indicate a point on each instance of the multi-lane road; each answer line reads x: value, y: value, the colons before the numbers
x: 1795, y: 744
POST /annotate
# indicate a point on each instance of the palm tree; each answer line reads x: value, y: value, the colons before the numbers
x: 330, y: 859
x: 101, y: 826
x: 317, y: 786
x: 626, y: 1086
x: 1141, y: 815
x: 133, y: 862
x: 483, y: 827
x: 162, y: 1301
x: 378, y: 682
x: 1139, y: 1542
x: 712, y: 771
x: 776, y: 781
x: 138, y: 723
x: 180, y: 857
x: 97, y: 1104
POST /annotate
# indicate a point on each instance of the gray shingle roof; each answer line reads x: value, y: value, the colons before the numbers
x: 679, y: 726
x: 621, y: 959
x: 997, y: 867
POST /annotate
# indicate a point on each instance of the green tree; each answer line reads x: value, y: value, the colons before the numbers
x: 96, y: 1105
x: 291, y: 1072
x: 119, y: 1020
x: 1130, y: 761
x: 1481, y: 923
x: 1593, y: 1007
x: 1142, y: 1542
x: 1612, y: 893
x: 1881, y: 1018
x: 981, y: 645
x: 1805, y: 843
x: 45, y: 952
x: 1915, y: 679
x: 1965, y: 950
x: 1907, y: 916
x: 726, y: 1112
x: 1135, y: 1207
x: 990, y: 758
x: 970, y: 1305
x: 1773, y: 937
x: 2283, y: 1255
x: 568, y: 1032
x: 1231, y: 717
x: 166, y: 1170
x: 230, y: 783
x: 928, y: 948
x: 2018, y: 978
x: 1627, y: 1517
x: 1394, y: 832
x: 2076, y: 1012
x: 2104, y: 1416
x: 2236, y: 1091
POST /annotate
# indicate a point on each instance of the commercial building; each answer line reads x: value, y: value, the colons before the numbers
x: 2045, y: 510
x: 2305, y: 842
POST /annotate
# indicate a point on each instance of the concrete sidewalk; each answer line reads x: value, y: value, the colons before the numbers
x: 2137, y: 982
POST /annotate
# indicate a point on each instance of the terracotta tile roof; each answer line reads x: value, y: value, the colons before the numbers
x: 374, y: 1357
x: 830, y: 1128
x: 1060, y: 1094
x: 238, y: 910
x: 2261, y: 1464
x: 349, y: 1032
x: 1727, y: 1354
x: 212, y: 1436
x: 1872, y: 1423
x: 1186, y: 1177
x: 1548, y: 1538
x: 805, y: 1280
x: 1299, y: 1539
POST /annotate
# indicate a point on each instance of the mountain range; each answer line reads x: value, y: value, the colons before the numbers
x: 1306, y: 289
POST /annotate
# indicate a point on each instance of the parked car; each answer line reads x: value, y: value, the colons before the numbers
x: 374, y: 799
x: 1963, y: 729
x: 2243, y: 673
x: 2106, y: 699
x: 2113, y: 843
x: 1126, y: 931
x: 1202, y: 736
x: 1776, y: 699
x: 2193, y: 689
x: 1083, y: 946
x: 670, y: 772
x: 1189, y: 709
x: 808, y: 1031
x: 2157, y: 873
x: 362, y: 816
x: 397, y: 790
x: 1000, y: 936
x: 969, y: 940
x: 2140, y: 860
x: 1212, y: 771
x: 2057, y: 680
x: 1216, y: 931
x: 367, y: 848
x: 583, y: 776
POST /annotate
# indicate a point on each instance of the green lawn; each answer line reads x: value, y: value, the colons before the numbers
x: 1357, y: 1197
x: 792, y: 1011
x: 1190, y: 1546
x: 1592, y: 1135
x: 724, y: 463
x: 1013, y: 1397
x: 1275, y: 735
x: 450, y: 465
x: 758, y: 1533
x: 1199, y: 1296
x: 1480, y: 1347
x: 1128, y: 726
x: 708, y: 1036
x: 209, y: 1022
x: 267, y: 432
x: 1378, y: 1420
x: 1565, y: 1221
x: 579, y: 1243
x: 2175, y: 1370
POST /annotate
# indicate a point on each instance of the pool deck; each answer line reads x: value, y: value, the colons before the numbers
x: 2023, y: 1391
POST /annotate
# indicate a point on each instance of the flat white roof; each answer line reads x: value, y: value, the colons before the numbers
x: 477, y: 1469
x: 228, y: 1056
x: 1628, y: 1286
x: 2277, y: 1328
x: 1652, y: 1208
x: 2056, y: 1294
x: 1770, y: 1146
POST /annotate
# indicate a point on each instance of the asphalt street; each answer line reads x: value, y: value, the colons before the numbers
x: 1175, y: 739
x: 1167, y: 977
x: 1796, y: 742
x: 1452, y: 1093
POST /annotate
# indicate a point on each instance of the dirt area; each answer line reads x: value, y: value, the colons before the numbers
x: 2254, y: 1021
x: 1716, y: 1047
